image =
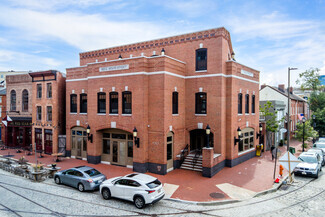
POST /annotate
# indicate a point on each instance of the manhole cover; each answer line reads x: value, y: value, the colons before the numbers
x: 217, y: 195
x: 284, y: 187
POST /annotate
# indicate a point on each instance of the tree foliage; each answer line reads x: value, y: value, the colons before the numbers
x: 317, y: 100
x: 309, y: 131
x: 309, y: 79
x: 319, y: 121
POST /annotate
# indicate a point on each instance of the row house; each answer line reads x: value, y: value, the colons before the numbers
x: 140, y: 105
x: 48, y: 112
x: 298, y: 105
x: 3, y: 113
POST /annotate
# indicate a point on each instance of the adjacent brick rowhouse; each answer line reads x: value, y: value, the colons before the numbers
x: 51, y: 99
x: 3, y: 112
x: 152, y: 77
x: 19, y: 110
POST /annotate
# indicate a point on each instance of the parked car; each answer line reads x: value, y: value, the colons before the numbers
x: 310, y: 164
x: 320, y: 145
x: 321, y: 155
x: 142, y: 189
x: 82, y: 177
x: 321, y: 139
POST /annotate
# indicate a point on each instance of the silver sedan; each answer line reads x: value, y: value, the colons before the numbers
x: 83, y: 178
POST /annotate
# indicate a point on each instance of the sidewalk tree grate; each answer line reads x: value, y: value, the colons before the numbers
x: 217, y: 195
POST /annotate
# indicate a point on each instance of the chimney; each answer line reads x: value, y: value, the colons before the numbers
x: 291, y: 90
x: 262, y: 86
x: 281, y: 87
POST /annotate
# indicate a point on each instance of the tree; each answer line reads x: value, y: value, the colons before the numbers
x: 319, y: 121
x: 309, y: 131
x: 272, y: 124
x: 310, y: 79
x: 316, y: 101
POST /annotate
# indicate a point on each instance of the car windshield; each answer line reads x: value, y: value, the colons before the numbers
x: 320, y: 145
x: 308, y: 159
x: 154, y: 184
x: 92, y: 172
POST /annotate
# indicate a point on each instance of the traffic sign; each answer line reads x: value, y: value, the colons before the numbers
x: 289, y: 161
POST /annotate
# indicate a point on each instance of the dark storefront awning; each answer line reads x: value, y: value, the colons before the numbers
x: 21, y: 119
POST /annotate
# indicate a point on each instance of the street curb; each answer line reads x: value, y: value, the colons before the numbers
x: 209, y: 203
x: 275, y: 187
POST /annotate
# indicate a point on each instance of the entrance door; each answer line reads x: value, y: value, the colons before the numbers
x: 198, y: 139
x: 170, y: 141
x: 115, y: 152
x: 20, y: 137
x: 79, y: 142
x: 79, y: 145
x: 38, y: 139
x: 119, y: 150
x: 48, y: 141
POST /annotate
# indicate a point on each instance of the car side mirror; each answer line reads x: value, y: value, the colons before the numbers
x: 64, y: 173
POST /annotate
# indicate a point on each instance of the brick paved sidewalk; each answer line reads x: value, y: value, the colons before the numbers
x: 255, y: 175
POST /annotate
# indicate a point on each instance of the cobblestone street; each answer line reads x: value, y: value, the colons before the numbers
x: 21, y: 197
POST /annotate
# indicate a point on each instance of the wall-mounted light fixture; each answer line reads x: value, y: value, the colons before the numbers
x: 136, y: 138
x: 208, y: 131
x: 237, y: 140
x: 90, y: 136
x: 163, y: 52
x: 120, y: 57
x: 259, y: 134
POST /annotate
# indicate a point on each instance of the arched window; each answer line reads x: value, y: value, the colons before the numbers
x: 25, y: 101
x: 247, y: 140
x: 247, y: 103
x: 240, y: 103
x: 13, y: 100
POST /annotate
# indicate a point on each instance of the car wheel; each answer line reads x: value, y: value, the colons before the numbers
x: 320, y: 169
x: 106, y: 193
x: 316, y: 176
x: 81, y: 187
x: 139, y: 202
x: 57, y: 180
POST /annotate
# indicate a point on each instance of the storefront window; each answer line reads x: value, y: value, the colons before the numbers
x: 247, y: 141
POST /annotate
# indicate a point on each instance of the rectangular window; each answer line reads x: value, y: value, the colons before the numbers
x: 49, y: 113
x: 39, y: 113
x: 39, y: 91
x: 83, y: 103
x: 101, y: 102
x: 113, y: 103
x: 247, y: 141
x: 200, y: 103
x: 240, y: 103
x: 246, y: 103
x: 175, y: 103
x: 253, y: 104
x: 106, y: 146
x: 49, y: 90
x: 73, y: 103
x: 201, y: 59
x: 127, y: 102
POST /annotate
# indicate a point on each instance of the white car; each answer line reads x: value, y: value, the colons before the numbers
x: 321, y: 139
x: 321, y: 155
x: 320, y: 145
x: 142, y: 189
x: 309, y: 166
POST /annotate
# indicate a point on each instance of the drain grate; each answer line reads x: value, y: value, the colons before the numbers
x: 284, y: 187
x: 217, y: 195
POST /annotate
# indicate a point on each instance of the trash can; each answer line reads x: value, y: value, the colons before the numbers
x: 292, y: 150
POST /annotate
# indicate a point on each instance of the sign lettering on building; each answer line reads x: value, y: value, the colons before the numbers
x: 114, y: 68
x: 247, y: 73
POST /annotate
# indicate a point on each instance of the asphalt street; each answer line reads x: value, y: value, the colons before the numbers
x: 22, y: 197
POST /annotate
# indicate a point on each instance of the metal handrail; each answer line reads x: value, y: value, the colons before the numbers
x: 182, y: 158
x: 196, y: 157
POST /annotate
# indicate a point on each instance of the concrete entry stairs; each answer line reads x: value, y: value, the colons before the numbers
x: 188, y: 163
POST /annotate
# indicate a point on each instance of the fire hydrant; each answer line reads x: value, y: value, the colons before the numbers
x: 281, y: 170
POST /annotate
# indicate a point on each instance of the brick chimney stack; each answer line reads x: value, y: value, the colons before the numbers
x: 291, y: 90
x: 262, y: 86
x: 281, y: 87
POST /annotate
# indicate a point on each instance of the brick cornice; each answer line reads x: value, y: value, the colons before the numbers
x: 211, y: 33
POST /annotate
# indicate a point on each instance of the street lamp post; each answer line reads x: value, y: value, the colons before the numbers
x: 303, y: 134
x: 288, y: 121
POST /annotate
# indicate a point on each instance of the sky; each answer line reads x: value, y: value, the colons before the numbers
x: 269, y: 36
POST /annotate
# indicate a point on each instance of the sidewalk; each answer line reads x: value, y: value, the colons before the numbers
x: 246, y: 179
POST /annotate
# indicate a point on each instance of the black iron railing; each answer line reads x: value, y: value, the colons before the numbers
x: 196, y: 156
x: 183, y: 154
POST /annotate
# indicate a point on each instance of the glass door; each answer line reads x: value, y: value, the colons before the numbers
x: 79, y: 144
x: 115, y: 152
x: 122, y: 151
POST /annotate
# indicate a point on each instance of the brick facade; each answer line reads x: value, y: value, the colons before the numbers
x: 152, y: 77
x: 3, y: 112
x: 45, y: 130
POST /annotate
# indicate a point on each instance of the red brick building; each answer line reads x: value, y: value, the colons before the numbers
x: 18, y: 122
x: 3, y: 113
x: 48, y: 103
x: 169, y: 89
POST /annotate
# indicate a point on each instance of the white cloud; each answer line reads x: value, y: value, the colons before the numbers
x: 86, y: 32
x: 10, y: 60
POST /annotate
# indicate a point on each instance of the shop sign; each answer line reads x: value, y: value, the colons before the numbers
x: 114, y: 68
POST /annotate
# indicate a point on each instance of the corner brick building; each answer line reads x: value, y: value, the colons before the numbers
x: 3, y: 112
x: 48, y: 103
x: 169, y: 89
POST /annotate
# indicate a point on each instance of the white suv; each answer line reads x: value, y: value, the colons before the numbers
x: 142, y: 189
x: 310, y: 165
